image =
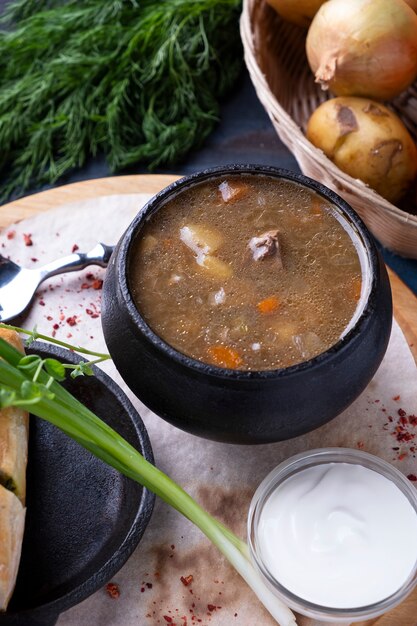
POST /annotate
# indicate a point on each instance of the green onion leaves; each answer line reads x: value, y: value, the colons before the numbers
x: 55, y: 369
x: 33, y: 384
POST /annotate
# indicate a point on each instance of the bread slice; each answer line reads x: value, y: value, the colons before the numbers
x: 12, y: 524
x: 14, y: 450
x: 14, y: 426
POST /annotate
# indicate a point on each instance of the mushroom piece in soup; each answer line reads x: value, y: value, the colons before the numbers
x: 247, y: 272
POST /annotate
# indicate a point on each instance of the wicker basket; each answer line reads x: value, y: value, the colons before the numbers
x: 277, y: 63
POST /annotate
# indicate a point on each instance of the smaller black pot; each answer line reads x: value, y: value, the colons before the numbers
x: 83, y: 518
x: 232, y: 405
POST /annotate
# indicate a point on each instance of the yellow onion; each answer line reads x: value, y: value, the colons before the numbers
x: 299, y: 12
x: 364, y: 47
x: 367, y: 141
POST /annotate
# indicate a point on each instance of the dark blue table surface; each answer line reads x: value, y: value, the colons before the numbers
x: 244, y: 135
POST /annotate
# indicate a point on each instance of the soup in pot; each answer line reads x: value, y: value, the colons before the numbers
x: 247, y: 272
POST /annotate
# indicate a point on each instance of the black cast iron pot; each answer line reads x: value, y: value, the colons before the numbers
x: 237, y: 406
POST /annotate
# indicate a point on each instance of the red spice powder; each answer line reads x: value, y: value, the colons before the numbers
x: 404, y: 436
x: 113, y: 590
x: 187, y: 580
x: 72, y: 321
x: 75, y: 248
x: 145, y: 586
x: 402, y: 431
x: 97, y: 284
x: 412, y: 477
x: 11, y: 234
x: 27, y: 238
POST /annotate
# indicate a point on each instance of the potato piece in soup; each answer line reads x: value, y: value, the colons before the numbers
x: 265, y: 271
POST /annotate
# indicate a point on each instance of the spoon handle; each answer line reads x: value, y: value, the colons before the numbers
x: 99, y: 255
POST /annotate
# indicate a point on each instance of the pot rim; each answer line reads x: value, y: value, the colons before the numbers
x: 172, y: 190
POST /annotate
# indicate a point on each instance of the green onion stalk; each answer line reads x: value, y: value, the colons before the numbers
x: 33, y: 384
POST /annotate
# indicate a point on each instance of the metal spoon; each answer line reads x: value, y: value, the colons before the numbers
x: 18, y: 285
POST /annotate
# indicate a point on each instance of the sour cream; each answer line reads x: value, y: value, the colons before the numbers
x: 338, y: 535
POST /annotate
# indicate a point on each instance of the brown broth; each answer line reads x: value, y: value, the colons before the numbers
x: 231, y: 310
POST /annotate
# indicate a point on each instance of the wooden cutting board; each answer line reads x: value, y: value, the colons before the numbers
x: 405, y: 303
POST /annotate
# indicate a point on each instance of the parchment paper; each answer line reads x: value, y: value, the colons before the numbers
x: 222, y: 477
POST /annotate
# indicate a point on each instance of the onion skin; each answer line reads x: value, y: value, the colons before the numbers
x: 367, y: 141
x: 299, y: 12
x: 412, y: 4
x: 364, y: 47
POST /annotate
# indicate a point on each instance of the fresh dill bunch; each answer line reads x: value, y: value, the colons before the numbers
x: 136, y: 80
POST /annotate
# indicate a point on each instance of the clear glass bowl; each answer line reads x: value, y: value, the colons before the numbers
x: 290, y: 467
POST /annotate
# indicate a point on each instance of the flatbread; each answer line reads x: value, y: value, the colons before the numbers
x: 12, y: 523
x: 14, y: 425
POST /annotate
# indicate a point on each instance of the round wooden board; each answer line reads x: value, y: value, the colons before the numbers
x: 405, y: 303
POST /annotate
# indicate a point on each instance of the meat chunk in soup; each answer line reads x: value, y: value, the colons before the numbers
x: 266, y: 245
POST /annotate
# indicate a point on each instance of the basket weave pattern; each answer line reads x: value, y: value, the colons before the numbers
x: 277, y: 63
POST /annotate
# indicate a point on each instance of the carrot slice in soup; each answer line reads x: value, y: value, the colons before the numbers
x: 316, y: 207
x: 356, y: 289
x: 224, y: 357
x: 235, y: 190
x: 269, y: 305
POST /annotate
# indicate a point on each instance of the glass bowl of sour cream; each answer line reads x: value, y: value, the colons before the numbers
x: 334, y: 533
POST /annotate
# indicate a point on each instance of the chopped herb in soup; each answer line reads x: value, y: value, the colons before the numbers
x: 246, y: 272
